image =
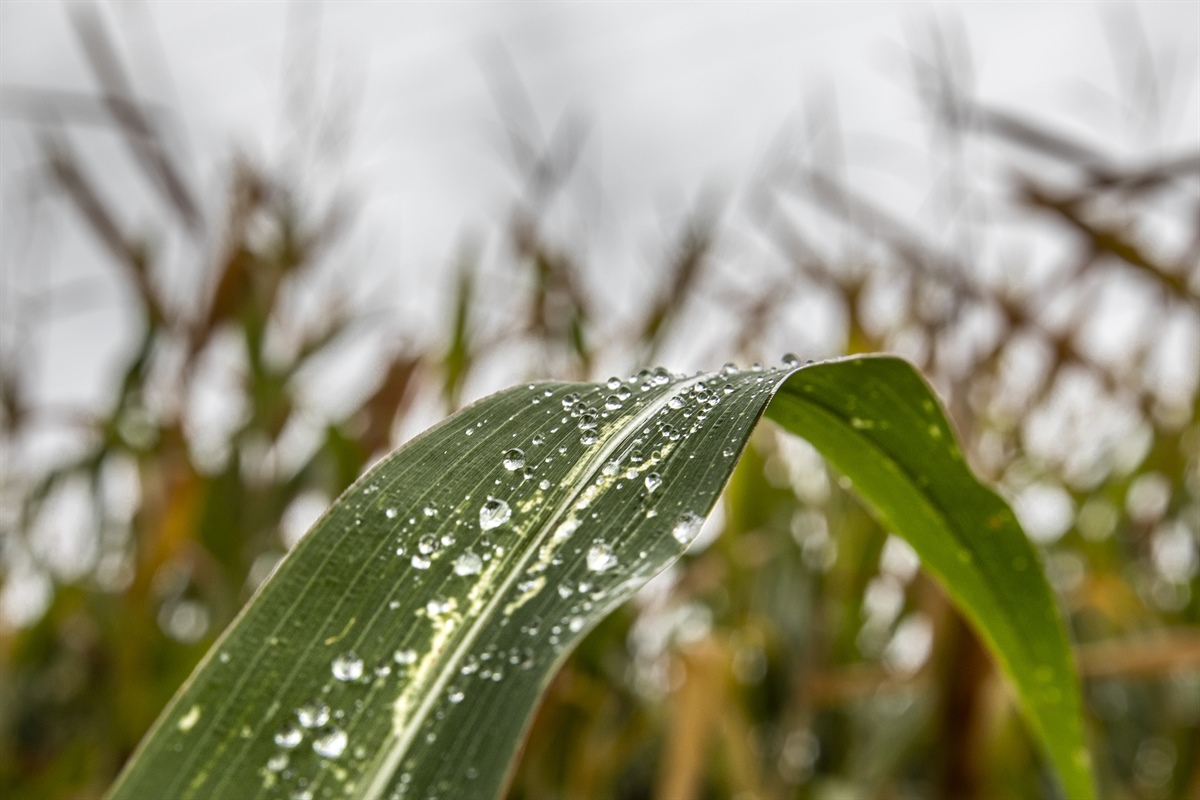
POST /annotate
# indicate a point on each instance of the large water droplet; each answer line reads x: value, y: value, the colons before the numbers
x: 493, y: 514
x: 570, y: 400
x: 331, y: 743
x: 730, y: 368
x: 686, y: 527
x: 613, y: 383
x: 419, y: 561
x: 587, y: 422
x: 347, y: 667
x: 653, y: 481
x: 612, y: 402
x: 313, y: 714
x: 288, y: 736
x: 601, y: 558
x: 790, y: 360
x: 514, y: 459
x: 469, y: 563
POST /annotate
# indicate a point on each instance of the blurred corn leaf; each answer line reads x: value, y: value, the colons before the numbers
x: 404, y: 644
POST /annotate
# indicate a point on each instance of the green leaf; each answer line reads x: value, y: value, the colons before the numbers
x: 401, y: 648
x: 877, y: 421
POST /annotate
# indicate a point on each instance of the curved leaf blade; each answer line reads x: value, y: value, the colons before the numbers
x: 361, y: 671
x: 446, y: 647
x: 877, y: 421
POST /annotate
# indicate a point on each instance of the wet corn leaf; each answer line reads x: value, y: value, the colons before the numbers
x: 401, y: 648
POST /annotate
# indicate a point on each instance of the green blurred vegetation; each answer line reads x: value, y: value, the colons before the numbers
x: 801, y: 654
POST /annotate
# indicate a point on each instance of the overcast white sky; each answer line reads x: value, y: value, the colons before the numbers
x: 677, y: 97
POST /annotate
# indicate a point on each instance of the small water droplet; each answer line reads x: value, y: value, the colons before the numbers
x: 624, y: 393
x: 348, y: 667
x: 589, y: 438
x: 587, y: 422
x: 566, y: 528
x: 544, y: 485
x: 576, y: 624
x: 730, y: 368
x: 610, y: 469
x: 653, y: 481
x: 612, y: 402
x: 277, y: 762
x: 455, y: 696
x: 538, y: 438
x: 686, y: 527
x: 493, y: 514
x: 419, y: 561
x: 600, y: 558
x: 469, y: 563
x: 570, y: 400
x: 437, y: 607
x: 514, y: 459
x: 390, y: 513
x: 675, y: 402
x: 430, y: 510
x: 288, y: 736
x: 405, y: 657
x: 790, y: 360
x: 313, y: 715
x: 331, y: 743
x: 427, y: 544
x: 613, y: 383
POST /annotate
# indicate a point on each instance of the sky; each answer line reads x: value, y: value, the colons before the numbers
x: 675, y: 99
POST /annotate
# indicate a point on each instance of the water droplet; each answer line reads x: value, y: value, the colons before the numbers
x: 613, y: 383
x: 469, y: 563
x: 538, y: 438
x: 405, y: 657
x: 653, y: 481
x: 390, y: 513
x: 544, y: 485
x: 437, y: 607
x: 514, y: 459
x: 587, y: 422
x: 661, y: 376
x: 427, y: 544
x: 790, y: 360
x: 610, y: 469
x: 612, y: 402
x: 730, y: 368
x: 430, y: 510
x: 624, y: 393
x: 347, y: 667
x: 570, y: 400
x: 728, y: 388
x: 565, y: 529
x: 600, y: 558
x: 686, y: 527
x: 493, y: 514
x: 675, y: 402
x: 589, y: 438
x: 313, y: 714
x: 576, y: 624
x: 277, y: 762
x: 455, y: 696
x: 331, y: 743
x: 419, y: 561
x: 288, y: 736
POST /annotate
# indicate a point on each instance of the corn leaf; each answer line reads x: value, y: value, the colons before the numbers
x: 401, y: 648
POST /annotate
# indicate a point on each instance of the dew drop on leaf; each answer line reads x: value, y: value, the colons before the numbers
x: 313, y: 714
x: 419, y: 561
x: 514, y: 459
x: 493, y: 514
x: 347, y: 667
x: 600, y: 558
x: 405, y: 657
x: 653, y: 481
x: 331, y: 743
x: 790, y: 360
x: 390, y: 513
x: 469, y: 563
x: 288, y: 736
x: 686, y: 527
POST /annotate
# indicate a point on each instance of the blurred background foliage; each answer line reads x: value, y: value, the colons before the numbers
x: 800, y: 654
